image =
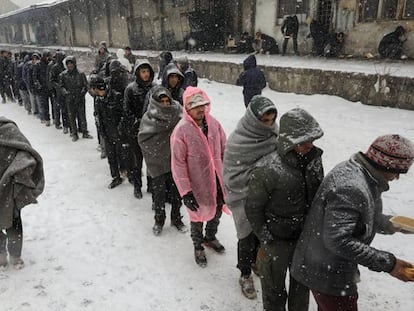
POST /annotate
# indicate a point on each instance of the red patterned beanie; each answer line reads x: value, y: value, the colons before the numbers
x: 391, y: 153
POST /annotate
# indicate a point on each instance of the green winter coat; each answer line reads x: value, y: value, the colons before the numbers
x: 280, y: 188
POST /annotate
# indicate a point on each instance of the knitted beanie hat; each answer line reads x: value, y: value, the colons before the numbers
x: 261, y: 105
x: 391, y: 153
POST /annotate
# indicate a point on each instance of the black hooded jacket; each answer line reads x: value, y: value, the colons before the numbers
x: 134, y: 98
x: 176, y: 92
x: 55, y: 71
x: 252, y: 79
x: 73, y: 82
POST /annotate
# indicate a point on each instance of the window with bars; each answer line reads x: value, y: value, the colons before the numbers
x: 178, y: 3
x: 289, y: 7
x: 391, y: 10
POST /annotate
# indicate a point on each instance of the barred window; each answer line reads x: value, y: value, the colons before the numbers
x: 389, y: 9
x: 292, y: 7
x: 177, y: 3
x: 369, y: 9
x: 409, y: 9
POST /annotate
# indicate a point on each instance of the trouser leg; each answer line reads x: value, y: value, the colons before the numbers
x: 284, y: 46
x: 82, y: 115
x: 175, y: 197
x: 136, y: 160
x: 247, y: 253
x: 212, y: 225
x: 335, y: 303
x: 159, y: 196
x: 197, y: 235
x: 112, y: 151
x: 295, y: 43
x: 15, y: 237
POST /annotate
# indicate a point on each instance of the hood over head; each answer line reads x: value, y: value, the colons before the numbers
x: 261, y: 105
x: 297, y: 126
x: 71, y: 59
x: 60, y: 56
x: 143, y: 63
x: 250, y: 62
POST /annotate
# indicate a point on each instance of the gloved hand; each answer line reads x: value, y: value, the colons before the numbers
x: 266, y: 236
x: 403, y: 271
x: 190, y: 201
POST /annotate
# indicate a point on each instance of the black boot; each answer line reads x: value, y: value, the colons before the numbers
x: 200, y: 257
x: 215, y: 245
x: 86, y: 135
x: 159, y: 224
x: 115, y: 182
x: 178, y: 223
x: 75, y: 137
x: 137, y: 192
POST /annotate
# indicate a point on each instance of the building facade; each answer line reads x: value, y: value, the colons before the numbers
x: 167, y: 24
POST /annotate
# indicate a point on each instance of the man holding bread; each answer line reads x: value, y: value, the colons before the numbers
x: 345, y: 216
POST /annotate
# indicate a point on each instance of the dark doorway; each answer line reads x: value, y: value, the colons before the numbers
x: 325, y: 14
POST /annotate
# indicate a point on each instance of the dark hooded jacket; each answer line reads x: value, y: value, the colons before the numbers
x: 190, y: 76
x: 290, y: 26
x: 282, y: 187
x: 252, y: 79
x: 156, y: 127
x: 134, y: 98
x: 391, y: 44
x: 19, y: 74
x: 73, y: 82
x: 176, y: 92
x: 342, y: 222
x: 55, y: 71
x: 39, y: 77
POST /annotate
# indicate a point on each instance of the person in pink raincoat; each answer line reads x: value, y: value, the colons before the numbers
x: 197, y: 149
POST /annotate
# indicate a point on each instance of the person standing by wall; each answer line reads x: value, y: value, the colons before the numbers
x: 290, y: 29
x: 252, y: 79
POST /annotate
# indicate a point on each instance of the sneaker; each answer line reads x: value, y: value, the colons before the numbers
x: 65, y: 130
x: 75, y: 137
x: 87, y: 136
x: 58, y: 127
x: 200, y: 258
x: 47, y: 123
x: 103, y: 154
x: 247, y: 287
x: 215, y: 245
x: 3, y: 260
x: 17, y: 262
x: 178, y: 223
x: 137, y: 193
x: 115, y: 182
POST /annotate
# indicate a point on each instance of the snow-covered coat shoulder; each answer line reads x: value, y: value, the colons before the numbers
x: 342, y: 222
x: 196, y: 160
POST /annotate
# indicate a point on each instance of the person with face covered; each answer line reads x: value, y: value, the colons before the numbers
x: 73, y: 86
x: 254, y: 137
x: 133, y: 109
x: 280, y: 192
x: 156, y: 127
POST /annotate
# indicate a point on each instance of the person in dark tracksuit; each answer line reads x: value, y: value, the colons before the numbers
x: 40, y: 89
x: 280, y: 192
x: 134, y: 100
x: 108, y: 103
x: 290, y: 29
x: 60, y: 110
x: 24, y: 94
x: 252, y: 79
x: 74, y: 86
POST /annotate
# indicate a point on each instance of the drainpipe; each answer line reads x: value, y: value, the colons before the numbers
x: 161, y: 7
x: 108, y: 21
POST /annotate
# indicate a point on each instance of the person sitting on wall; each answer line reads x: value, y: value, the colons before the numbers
x: 335, y: 45
x: 245, y: 44
x: 391, y: 45
x: 257, y: 43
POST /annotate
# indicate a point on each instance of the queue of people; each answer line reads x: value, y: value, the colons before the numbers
x: 290, y: 219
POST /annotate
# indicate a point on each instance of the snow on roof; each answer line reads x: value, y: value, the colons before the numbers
x: 45, y: 4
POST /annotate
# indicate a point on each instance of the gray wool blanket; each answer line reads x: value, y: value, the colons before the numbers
x: 21, y: 172
x: 250, y: 141
x: 154, y: 134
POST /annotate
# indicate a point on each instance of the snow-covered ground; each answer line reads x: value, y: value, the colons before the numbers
x: 90, y: 248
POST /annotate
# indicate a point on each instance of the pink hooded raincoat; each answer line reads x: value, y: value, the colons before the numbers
x: 195, y: 161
